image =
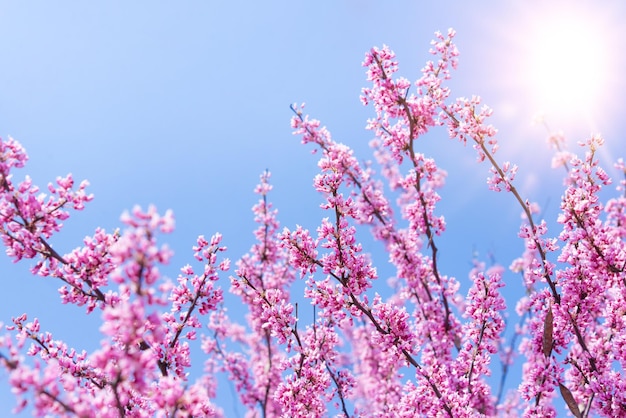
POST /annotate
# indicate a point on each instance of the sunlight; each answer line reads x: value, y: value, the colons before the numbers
x: 568, y: 63
x: 559, y: 60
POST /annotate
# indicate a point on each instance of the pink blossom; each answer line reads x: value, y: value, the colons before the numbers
x: 340, y: 340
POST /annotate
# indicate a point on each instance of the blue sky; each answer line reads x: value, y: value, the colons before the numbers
x: 184, y: 104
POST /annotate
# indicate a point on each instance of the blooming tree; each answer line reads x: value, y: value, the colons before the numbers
x: 414, y: 348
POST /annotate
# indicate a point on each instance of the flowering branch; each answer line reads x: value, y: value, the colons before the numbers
x: 419, y: 348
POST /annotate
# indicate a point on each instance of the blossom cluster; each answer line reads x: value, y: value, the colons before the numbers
x: 142, y: 364
x: 413, y: 347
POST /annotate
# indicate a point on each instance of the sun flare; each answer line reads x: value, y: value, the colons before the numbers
x: 568, y: 63
x: 559, y: 62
